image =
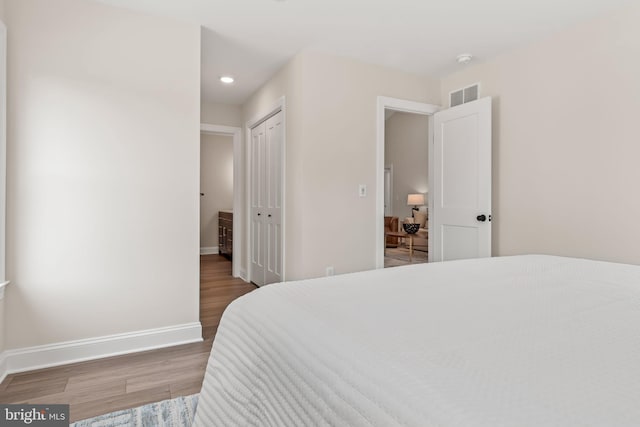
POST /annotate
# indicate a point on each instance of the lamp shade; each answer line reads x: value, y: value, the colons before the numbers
x: 415, y: 199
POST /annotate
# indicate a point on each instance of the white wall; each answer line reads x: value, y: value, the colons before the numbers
x: 103, y: 173
x: 216, y: 182
x: 566, y: 141
x: 220, y: 114
x: 330, y: 150
x: 406, y: 147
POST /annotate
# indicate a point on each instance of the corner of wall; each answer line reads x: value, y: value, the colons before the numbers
x: 2, y: 202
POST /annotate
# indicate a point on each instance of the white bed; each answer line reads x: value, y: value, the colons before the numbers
x: 513, y: 341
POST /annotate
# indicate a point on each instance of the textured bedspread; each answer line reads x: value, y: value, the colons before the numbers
x: 513, y: 341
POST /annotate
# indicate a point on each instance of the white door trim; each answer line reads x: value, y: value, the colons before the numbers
x: 278, y: 106
x: 390, y: 169
x: 406, y: 106
x: 238, y: 173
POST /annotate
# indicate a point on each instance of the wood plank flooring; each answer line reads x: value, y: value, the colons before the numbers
x: 105, y: 385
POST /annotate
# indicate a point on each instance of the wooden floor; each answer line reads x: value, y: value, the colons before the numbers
x: 106, y: 385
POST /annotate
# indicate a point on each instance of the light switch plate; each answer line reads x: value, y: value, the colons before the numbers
x: 362, y: 190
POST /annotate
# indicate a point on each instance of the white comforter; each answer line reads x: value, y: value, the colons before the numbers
x: 514, y: 341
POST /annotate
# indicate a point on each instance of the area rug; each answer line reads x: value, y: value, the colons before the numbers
x: 178, y: 412
x: 395, y: 257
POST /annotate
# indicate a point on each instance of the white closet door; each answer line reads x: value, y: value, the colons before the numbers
x: 273, y: 199
x: 266, y: 201
x: 258, y: 137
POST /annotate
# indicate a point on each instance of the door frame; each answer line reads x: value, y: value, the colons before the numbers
x: 278, y: 106
x: 390, y: 169
x: 405, y: 106
x: 238, y: 173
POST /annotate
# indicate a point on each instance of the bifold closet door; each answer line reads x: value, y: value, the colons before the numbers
x: 258, y: 137
x: 266, y: 201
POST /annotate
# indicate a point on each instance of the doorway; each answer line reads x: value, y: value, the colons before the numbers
x: 216, y: 194
x: 386, y: 109
x: 406, y: 150
x: 231, y: 170
x: 221, y: 180
x: 459, y: 169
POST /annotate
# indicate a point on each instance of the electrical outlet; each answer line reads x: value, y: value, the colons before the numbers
x: 362, y: 190
x: 330, y: 271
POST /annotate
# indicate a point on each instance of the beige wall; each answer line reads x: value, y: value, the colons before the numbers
x: 339, y: 154
x: 566, y: 141
x: 216, y: 182
x: 407, y: 150
x: 330, y: 150
x: 103, y: 173
x: 219, y: 114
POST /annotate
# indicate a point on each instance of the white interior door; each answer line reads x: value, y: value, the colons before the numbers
x: 461, y: 188
x: 258, y: 137
x: 266, y: 201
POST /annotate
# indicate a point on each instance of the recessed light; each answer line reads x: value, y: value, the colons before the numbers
x: 464, y: 58
x: 226, y: 79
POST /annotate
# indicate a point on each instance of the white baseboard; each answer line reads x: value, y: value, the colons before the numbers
x: 243, y: 274
x: 211, y: 250
x: 46, y: 356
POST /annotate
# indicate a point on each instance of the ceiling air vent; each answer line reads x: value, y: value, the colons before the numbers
x: 464, y: 95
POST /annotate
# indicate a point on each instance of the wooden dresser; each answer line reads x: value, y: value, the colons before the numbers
x: 225, y: 233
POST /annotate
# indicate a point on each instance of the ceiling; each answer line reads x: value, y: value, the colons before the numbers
x: 251, y: 39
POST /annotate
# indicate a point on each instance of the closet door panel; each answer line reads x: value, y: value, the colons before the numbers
x: 273, y: 199
x: 257, y: 197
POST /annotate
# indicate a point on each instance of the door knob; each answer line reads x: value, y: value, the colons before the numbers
x: 481, y: 218
x: 259, y: 214
x: 269, y: 215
